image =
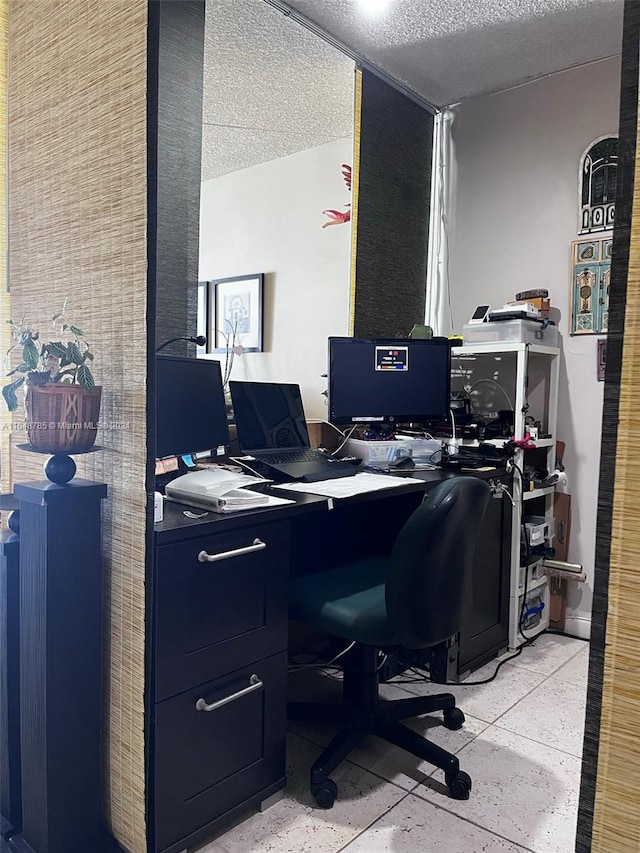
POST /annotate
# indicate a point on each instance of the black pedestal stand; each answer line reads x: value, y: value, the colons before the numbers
x: 60, y: 468
x: 10, y: 784
x: 60, y: 662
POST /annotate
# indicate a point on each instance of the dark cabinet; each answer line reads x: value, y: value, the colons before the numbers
x: 485, y: 631
x: 215, y: 744
x: 218, y: 677
x: 221, y: 602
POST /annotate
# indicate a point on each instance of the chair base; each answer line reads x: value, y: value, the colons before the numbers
x: 362, y: 713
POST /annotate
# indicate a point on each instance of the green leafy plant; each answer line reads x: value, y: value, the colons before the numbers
x: 62, y: 359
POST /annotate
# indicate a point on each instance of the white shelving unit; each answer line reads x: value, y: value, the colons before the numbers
x: 528, y: 375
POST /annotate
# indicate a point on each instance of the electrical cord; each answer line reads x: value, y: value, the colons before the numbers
x: 469, y: 389
x: 346, y: 439
x: 239, y: 461
x: 328, y: 663
x: 527, y: 640
x: 328, y: 423
x: 559, y: 633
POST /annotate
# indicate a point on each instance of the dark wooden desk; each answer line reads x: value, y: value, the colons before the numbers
x: 219, y: 629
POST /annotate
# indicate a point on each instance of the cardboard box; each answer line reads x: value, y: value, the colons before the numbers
x: 557, y: 603
x: 323, y: 435
x: 562, y: 516
x: 543, y: 306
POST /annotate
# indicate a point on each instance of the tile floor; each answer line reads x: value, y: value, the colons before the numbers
x: 521, y: 744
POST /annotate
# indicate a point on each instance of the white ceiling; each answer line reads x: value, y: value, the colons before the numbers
x: 449, y: 50
x: 272, y: 88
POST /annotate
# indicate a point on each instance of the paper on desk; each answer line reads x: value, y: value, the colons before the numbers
x: 265, y: 501
x: 347, y: 487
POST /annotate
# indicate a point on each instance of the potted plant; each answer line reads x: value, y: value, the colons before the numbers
x: 62, y: 402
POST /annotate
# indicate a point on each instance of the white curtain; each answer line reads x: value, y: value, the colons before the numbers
x: 438, y: 313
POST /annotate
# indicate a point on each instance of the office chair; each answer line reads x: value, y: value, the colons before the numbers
x: 413, y: 599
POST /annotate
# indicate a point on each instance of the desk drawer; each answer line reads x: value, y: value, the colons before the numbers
x: 208, y: 762
x: 213, y: 617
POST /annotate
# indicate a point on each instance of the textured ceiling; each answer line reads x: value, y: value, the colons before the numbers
x: 271, y: 88
x: 449, y: 50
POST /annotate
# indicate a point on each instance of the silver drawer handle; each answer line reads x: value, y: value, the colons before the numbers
x: 254, y: 684
x: 258, y: 545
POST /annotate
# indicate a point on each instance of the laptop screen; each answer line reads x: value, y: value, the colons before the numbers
x: 268, y: 415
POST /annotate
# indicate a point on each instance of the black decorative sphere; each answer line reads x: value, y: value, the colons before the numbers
x: 60, y: 468
x: 14, y: 521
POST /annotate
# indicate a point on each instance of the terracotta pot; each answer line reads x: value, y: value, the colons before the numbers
x: 62, y: 418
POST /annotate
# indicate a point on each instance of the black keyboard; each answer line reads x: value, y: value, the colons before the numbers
x: 304, y: 455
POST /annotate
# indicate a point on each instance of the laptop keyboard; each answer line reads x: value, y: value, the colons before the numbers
x: 304, y: 455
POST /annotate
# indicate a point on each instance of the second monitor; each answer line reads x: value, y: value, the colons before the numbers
x: 388, y: 380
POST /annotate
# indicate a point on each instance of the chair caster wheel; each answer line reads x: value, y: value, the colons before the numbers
x: 325, y: 793
x: 459, y: 786
x: 453, y: 718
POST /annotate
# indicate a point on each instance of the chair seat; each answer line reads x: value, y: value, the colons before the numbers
x: 348, y: 601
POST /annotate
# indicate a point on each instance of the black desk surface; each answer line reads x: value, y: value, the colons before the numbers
x: 175, y: 526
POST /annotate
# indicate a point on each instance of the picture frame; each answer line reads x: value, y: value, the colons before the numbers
x: 202, y: 314
x: 236, y: 305
x: 602, y: 358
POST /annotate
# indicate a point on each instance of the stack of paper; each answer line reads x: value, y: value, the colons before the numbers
x: 218, y: 490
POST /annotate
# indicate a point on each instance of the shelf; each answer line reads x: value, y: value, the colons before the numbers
x: 500, y: 442
x: 532, y: 585
x: 502, y: 346
x: 538, y: 493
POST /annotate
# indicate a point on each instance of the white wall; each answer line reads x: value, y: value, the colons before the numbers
x: 269, y: 219
x: 513, y: 216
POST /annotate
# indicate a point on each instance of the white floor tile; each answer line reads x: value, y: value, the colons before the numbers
x: 522, y: 790
x: 297, y: 825
x: 549, y: 653
x: 552, y: 713
x: 414, y: 825
x: 576, y: 670
x: 489, y: 701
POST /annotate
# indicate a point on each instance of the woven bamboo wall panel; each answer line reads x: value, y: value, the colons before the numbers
x: 78, y: 208
x: 5, y: 419
x: 616, y: 822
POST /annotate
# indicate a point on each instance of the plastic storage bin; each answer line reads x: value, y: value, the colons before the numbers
x: 539, y: 529
x: 510, y: 331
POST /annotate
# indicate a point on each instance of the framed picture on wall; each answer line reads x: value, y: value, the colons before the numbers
x: 236, y: 313
x: 201, y: 322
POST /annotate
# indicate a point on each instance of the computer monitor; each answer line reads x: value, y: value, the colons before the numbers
x: 190, y: 408
x: 388, y: 380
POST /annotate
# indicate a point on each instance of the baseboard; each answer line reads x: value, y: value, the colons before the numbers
x: 578, y: 625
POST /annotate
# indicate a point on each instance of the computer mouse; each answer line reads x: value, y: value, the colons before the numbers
x: 402, y: 464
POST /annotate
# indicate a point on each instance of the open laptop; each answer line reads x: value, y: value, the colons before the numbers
x: 272, y: 428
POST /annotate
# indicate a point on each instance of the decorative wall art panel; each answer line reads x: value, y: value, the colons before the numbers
x: 598, y: 171
x: 590, y: 278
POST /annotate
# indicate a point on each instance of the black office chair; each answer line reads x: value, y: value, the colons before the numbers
x: 413, y: 599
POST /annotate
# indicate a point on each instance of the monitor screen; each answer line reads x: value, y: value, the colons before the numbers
x: 190, y: 409
x: 390, y: 380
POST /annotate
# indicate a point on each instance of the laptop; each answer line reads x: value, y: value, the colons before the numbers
x: 272, y: 428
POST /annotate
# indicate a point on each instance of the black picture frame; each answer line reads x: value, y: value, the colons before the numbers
x: 236, y: 304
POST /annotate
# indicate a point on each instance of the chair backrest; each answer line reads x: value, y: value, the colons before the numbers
x: 431, y: 562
